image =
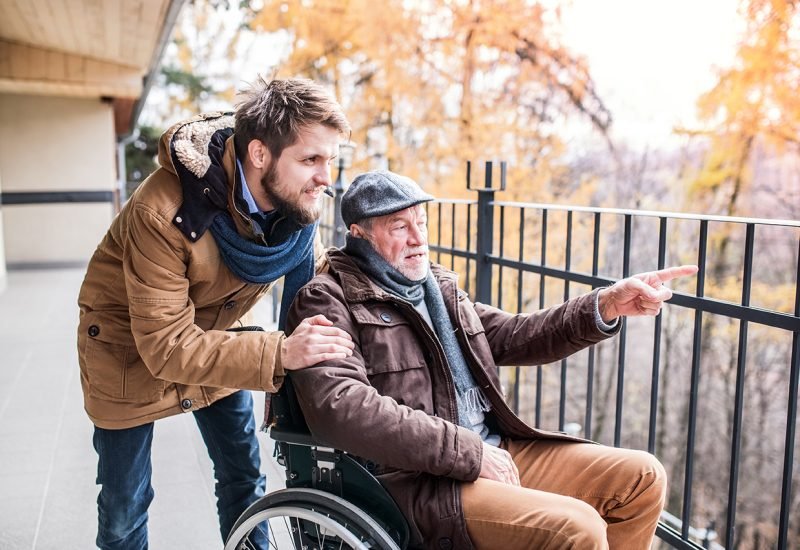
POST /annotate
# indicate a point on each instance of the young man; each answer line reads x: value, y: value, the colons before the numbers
x: 420, y: 399
x: 232, y: 208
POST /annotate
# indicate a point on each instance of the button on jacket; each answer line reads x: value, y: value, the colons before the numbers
x: 157, y: 298
x: 393, y: 401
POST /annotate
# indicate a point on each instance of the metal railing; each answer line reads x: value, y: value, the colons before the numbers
x: 490, y: 273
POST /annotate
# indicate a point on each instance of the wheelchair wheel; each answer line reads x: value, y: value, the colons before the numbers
x: 307, y: 519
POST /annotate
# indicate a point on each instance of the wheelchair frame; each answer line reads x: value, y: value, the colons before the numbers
x: 330, y: 500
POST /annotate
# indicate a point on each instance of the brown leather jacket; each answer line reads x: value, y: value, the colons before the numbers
x: 393, y: 401
x: 157, y: 298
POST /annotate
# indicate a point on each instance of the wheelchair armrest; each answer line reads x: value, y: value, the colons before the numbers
x: 291, y: 436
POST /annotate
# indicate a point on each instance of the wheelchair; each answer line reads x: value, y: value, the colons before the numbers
x: 331, y: 500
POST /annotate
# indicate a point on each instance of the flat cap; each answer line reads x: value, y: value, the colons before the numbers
x: 378, y: 193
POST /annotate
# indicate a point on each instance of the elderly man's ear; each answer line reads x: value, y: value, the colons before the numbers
x: 357, y: 231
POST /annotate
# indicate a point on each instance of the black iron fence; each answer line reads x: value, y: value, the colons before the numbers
x: 717, y: 402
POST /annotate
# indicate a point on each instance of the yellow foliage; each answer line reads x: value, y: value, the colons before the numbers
x: 756, y: 101
x: 427, y: 85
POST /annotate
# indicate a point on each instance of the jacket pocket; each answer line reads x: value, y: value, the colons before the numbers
x: 388, y: 341
x: 399, y: 372
x: 116, y: 373
x: 394, y: 359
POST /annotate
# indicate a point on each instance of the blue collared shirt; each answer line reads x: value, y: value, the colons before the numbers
x: 248, y: 196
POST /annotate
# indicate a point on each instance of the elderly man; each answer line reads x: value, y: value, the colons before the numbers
x: 420, y: 396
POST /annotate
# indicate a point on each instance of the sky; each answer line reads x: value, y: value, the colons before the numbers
x: 651, y: 60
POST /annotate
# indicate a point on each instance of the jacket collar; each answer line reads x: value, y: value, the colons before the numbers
x: 200, y: 152
x: 359, y: 288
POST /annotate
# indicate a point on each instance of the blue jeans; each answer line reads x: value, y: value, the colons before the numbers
x: 124, y: 471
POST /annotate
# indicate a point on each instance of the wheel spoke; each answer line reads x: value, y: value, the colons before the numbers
x: 322, y: 542
x: 273, y: 540
x: 297, y: 534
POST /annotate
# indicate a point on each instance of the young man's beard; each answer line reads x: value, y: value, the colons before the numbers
x: 284, y: 205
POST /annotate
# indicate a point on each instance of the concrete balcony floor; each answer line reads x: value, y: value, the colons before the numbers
x: 47, y: 463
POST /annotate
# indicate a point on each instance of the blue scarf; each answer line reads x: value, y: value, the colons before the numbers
x: 261, y: 264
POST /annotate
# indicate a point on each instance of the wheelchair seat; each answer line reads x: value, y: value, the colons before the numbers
x: 331, y: 500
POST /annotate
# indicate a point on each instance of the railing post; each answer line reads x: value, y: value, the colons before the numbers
x: 339, y: 230
x: 485, y: 222
x: 346, y: 151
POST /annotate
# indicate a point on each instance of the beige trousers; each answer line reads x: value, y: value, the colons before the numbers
x: 572, y: 495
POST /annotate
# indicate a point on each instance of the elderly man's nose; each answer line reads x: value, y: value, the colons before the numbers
x: 416, y: 236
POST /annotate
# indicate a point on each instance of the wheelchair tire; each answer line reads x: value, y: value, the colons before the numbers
x: 308, y: 519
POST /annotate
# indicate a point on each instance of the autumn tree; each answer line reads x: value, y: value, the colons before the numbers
x: 198, y: 73
x: 429, y: 85
x: 201, y: 66
x: 755, y: 102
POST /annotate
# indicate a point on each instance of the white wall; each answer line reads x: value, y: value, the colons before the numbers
x: 55, y: 144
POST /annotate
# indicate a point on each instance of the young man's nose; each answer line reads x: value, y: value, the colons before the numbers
x: 323, y: 176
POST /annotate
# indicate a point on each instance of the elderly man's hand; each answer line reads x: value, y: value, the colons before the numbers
x: 498, y: 465
x: 315, y: 340
x: 641, y: 294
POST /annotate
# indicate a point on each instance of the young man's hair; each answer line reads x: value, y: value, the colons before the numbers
x: 275, y: 112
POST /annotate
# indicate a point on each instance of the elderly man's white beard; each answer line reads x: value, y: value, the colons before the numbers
x: 412, y: 273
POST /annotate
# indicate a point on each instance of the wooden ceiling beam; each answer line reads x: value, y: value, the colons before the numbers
x: 29, y: 69
x: 116, y: 31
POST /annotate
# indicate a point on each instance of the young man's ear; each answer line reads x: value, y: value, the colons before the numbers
x: 258, y: 154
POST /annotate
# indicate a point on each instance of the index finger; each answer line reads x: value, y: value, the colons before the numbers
x: 331, y: 331
x: 319, y: 320
x: 670, y: 273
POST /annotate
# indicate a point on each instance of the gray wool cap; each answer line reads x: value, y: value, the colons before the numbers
x: 378, y: 193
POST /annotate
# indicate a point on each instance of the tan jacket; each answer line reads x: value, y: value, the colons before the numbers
x: 157, y: 298
x: 393, y: 401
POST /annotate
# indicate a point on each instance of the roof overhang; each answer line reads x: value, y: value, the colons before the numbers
x: 86, y: 48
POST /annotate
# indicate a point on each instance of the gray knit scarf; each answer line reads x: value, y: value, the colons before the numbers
x: 472, y: 402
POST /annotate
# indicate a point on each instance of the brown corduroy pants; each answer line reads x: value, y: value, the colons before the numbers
x: 572, y: 495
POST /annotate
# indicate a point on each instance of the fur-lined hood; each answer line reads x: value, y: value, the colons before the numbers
x: 200, y: 152
x: 187, y: 142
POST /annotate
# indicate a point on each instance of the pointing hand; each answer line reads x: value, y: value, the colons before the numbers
x: 641, y: 294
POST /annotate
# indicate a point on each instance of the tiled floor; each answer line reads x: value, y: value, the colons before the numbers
x: 47, y: 464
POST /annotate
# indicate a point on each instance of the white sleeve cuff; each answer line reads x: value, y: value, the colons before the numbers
x: 602, y: 325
